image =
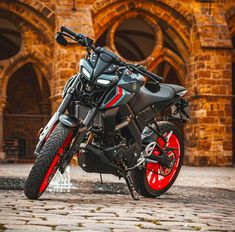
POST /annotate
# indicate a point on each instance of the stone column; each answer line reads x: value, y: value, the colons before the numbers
x: 66, y: 59
x: 209, y: 134
x: 2, y: 105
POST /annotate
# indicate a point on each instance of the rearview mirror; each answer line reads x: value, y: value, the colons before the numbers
x: 61, y: 39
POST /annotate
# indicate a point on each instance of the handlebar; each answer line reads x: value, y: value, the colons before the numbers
x: 82, y: 40
x: 68, y: 30
x: 142, y: 70
x: 85, y: 41
x: 148, y: 73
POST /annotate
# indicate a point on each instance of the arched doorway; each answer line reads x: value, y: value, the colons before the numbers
x: 27, y: 110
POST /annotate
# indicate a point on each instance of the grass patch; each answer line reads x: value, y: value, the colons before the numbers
x: 139, y: 225
x: 53, y: 227
x: 197, y: 228
x: 189, y: 220
x: 80, y: 224
x: 154, y: 221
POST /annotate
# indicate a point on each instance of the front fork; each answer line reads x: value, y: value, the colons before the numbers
x: 62, y: 108
x: 81, y: 132
x: 75, y: 146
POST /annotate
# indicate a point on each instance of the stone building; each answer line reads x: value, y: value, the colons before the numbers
x: 188, y: 42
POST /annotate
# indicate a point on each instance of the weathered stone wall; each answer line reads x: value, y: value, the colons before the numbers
x: 208, y: 135
x: 66, y: 59
x: 201, y: 58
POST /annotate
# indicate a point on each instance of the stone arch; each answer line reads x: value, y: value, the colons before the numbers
x: 17, y: 62
x: 138, y: 15
x: 44, y: 9
x: 168, y: 73
x: 27, y: 108
x: 30, y: 16
x: 101, y: 4
x: 104, y: 12
x: 175, y: 61
x: 173, y: 24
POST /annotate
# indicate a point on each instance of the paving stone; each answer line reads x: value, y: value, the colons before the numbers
x: 9, y: 222
x: 117, y: 213
x: 28, y: 228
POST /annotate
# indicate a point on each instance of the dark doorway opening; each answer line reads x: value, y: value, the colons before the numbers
x: 27, y: 110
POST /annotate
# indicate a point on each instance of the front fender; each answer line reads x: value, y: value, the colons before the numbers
x: 69, y: 120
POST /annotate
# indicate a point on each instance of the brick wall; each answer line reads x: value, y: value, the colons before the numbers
x: 203, y: 62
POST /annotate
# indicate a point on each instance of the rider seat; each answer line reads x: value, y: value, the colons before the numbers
x: 166, y: 93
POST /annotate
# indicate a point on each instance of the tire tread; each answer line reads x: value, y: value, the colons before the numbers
x: 44, y: 160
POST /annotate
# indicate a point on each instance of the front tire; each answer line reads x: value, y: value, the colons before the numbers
x: 148, y: 182
x: 47, y: 162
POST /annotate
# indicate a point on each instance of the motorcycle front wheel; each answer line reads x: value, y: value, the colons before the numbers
x: 155, y: 179
x: 47, y: 162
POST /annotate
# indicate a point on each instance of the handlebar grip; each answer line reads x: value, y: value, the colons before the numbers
x: 68, y: 30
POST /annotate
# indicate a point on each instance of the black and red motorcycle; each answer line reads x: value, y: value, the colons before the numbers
x: 108, y: 118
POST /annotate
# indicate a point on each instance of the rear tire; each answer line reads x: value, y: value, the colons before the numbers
x: 46, y: 164
x: 140, y: 177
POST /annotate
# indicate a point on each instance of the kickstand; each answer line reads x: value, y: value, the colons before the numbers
x: 101, y: 179
x: 135, y: 195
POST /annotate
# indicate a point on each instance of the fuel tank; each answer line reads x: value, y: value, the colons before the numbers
x: 128, y: 85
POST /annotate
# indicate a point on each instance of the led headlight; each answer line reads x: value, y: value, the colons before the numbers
x: 86, y: 73
x: 103, y: 82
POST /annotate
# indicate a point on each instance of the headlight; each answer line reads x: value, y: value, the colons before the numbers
x: 103, y: 82
x: 86, y: 73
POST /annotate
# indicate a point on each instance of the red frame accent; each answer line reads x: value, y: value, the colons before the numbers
x: 52, y: 169
x: 115, y: 99
x: 158, y: 182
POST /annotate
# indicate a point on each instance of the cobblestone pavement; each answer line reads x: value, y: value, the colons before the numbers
x: 222, y: 177
x: 182, y: 208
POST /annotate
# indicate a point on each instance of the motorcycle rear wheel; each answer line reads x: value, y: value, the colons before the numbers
x: 155, y: 180
x: 47, y: 162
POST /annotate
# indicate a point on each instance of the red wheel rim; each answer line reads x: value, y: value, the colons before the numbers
x: 54, y: 165
x: 155, y: 180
